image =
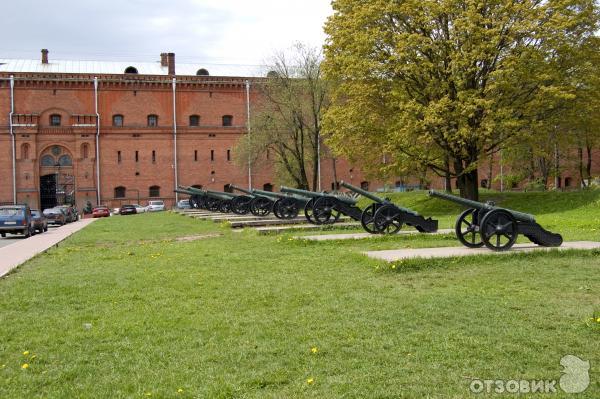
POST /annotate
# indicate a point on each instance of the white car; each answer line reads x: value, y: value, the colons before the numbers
x: 154, y: 206
x: 140, y: 209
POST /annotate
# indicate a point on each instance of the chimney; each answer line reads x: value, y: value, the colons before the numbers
x: 163, y: 59
x: 44, y: 56
x: 171, y: 63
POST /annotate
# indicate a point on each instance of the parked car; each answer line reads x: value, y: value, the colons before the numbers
x: 16, y: 219
x: 55, y: 216
x: 40, y: 223
x: 127, y: 210
x: 184, y: 204
x: 139, y: 208
x: 115, y: 211
x: 100, y: 212
x: 157, y: 205
x: 70, y: 212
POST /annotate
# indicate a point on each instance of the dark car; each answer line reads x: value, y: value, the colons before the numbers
x: 70, y: 213
x: 16, y: 219
x: 40, y: 223
x: 55, y: 216
x: 100, y: 212
x: 127, y: 210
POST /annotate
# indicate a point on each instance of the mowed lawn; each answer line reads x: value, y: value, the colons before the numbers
x: 123, y: 310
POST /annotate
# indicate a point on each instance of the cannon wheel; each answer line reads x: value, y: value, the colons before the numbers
x: 213, y: 205
x: 467, y: 229
x: 286, y: 208
x: 499, y: 230
x: 367, y: 218
x: 387, y: 220
x: 261, y: 206
x: 240, y: 205
x: 308, y: 211
x: 194, y: 201
x: 324, y: 212
x: 225, y: 206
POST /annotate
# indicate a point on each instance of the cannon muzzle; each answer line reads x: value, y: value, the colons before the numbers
x: 520, y: 216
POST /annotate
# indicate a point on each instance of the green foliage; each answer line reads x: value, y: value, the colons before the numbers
x: 445, y: 83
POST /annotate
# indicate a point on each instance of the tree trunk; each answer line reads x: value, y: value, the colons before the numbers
x: 556, y: 168
x: 467, y: 181
x: 580, y: 164
x: 490, y: 171
x: 335, y: 179
x: 447, y: 179
x: 588, y: 166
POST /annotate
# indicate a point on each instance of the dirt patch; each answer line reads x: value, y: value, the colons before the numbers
x: 197, y: 237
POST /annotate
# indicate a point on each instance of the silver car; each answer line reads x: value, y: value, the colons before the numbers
x: 155, y: 206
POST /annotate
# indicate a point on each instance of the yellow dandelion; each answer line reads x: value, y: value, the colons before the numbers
x: 148, y: 394
x: 33, y: 357
x: 26, y: 353
x: 314, y: 349
x: 310, y: 381
x: 393, y: 266
x: 25, y: 366
x: 180, y: 390
x: 598, y: 320
x: 4, y: 365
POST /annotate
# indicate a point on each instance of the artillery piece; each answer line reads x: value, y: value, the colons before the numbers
x: 257, y: 204
x: 194, y: 199
x: 326, y: 213
x: 284, y: 206
x: 215, y: 201
x: 385, y: 217
x: 496, y: 228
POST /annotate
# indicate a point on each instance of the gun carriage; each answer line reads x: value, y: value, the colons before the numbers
x: 257, y: 204
x: 284, y: 206
x: 496, y: 228
x: 325, y: 214
x: 385, y: 217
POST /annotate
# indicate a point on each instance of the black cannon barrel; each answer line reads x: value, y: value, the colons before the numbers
x: 314, y: 194
x: 242, y: 190
x: 184, y: 192
x: 520, y: 216
x: 362, y: 192
x: 268, y: 193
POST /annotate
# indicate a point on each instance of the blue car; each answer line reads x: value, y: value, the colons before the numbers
x: 16, y: 219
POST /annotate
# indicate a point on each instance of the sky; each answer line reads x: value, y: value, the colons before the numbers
x: 233, y: 32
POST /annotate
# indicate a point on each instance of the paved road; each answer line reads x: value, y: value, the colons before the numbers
x: 13, y: 238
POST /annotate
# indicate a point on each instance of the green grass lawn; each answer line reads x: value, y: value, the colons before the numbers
x: 123, y: 309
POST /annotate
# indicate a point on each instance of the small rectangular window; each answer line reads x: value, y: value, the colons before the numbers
x: 196, y: 155
x: 229, y: 155
x: 152, y: 120
x: 212, y: 155
x: 153, y: 156
x: 137, y: 158
x: 55, y: 120
x: 119, y: 156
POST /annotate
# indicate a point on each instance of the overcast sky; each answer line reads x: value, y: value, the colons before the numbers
x: 202, y: 31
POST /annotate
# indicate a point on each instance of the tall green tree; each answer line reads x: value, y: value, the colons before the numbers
x: 286, y: 121
x: 445, y: 83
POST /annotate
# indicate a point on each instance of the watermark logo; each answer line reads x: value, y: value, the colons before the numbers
x: 575, y: 378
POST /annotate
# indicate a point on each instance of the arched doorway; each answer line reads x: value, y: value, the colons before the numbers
x: 57, y: 180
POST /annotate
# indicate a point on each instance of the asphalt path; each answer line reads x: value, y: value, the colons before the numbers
x: 12, y: 238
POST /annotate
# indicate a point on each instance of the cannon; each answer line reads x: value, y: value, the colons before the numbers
x: 326, y: 213
x: 285, y: 206
x: 326, y: 208
x: 385, y: 217
x: 496, y: 228
x: 215, y: 201
x: 258, y: 205
x: 195, y: 200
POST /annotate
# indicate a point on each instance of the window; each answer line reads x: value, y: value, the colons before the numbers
x: 118, y: 120
x: 119, y: 156
x: 268, y: 155
x: 131, y: 69
x: 153, y: 156
x: 154, y: 191
x: 202, y: 72
x: 227, y: 120
x: 85, y: 150
x: 227, y: 188
x: 364, y: 185
x: 212, y: 155
x: 120, y: 192
x: 25, y: 151
x: 196, y: 155
x: 568, y: 181
x: 152, y: 120
x: 137, y: 156
x: 47, y: 160
x: 194, y: 120
x: 198, y: 186
x: 65, y: 160
x: 267, y: 187
x: 54, y: 120
x: 229, y: 155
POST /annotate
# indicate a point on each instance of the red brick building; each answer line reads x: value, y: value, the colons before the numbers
x: 114, y: 132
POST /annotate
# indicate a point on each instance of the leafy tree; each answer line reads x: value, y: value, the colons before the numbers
x: 287, y: 120
x: 445, y: 83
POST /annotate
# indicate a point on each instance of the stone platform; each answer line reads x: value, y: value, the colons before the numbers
x: 358, y: 236
x: 448, y: 252
x: 303, y: 227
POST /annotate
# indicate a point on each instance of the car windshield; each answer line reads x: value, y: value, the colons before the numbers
x: 156, y: 202
x: 11, y: 211
x: 52, y: 211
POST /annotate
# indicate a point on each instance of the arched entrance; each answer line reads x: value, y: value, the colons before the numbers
x: 57, y: 180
